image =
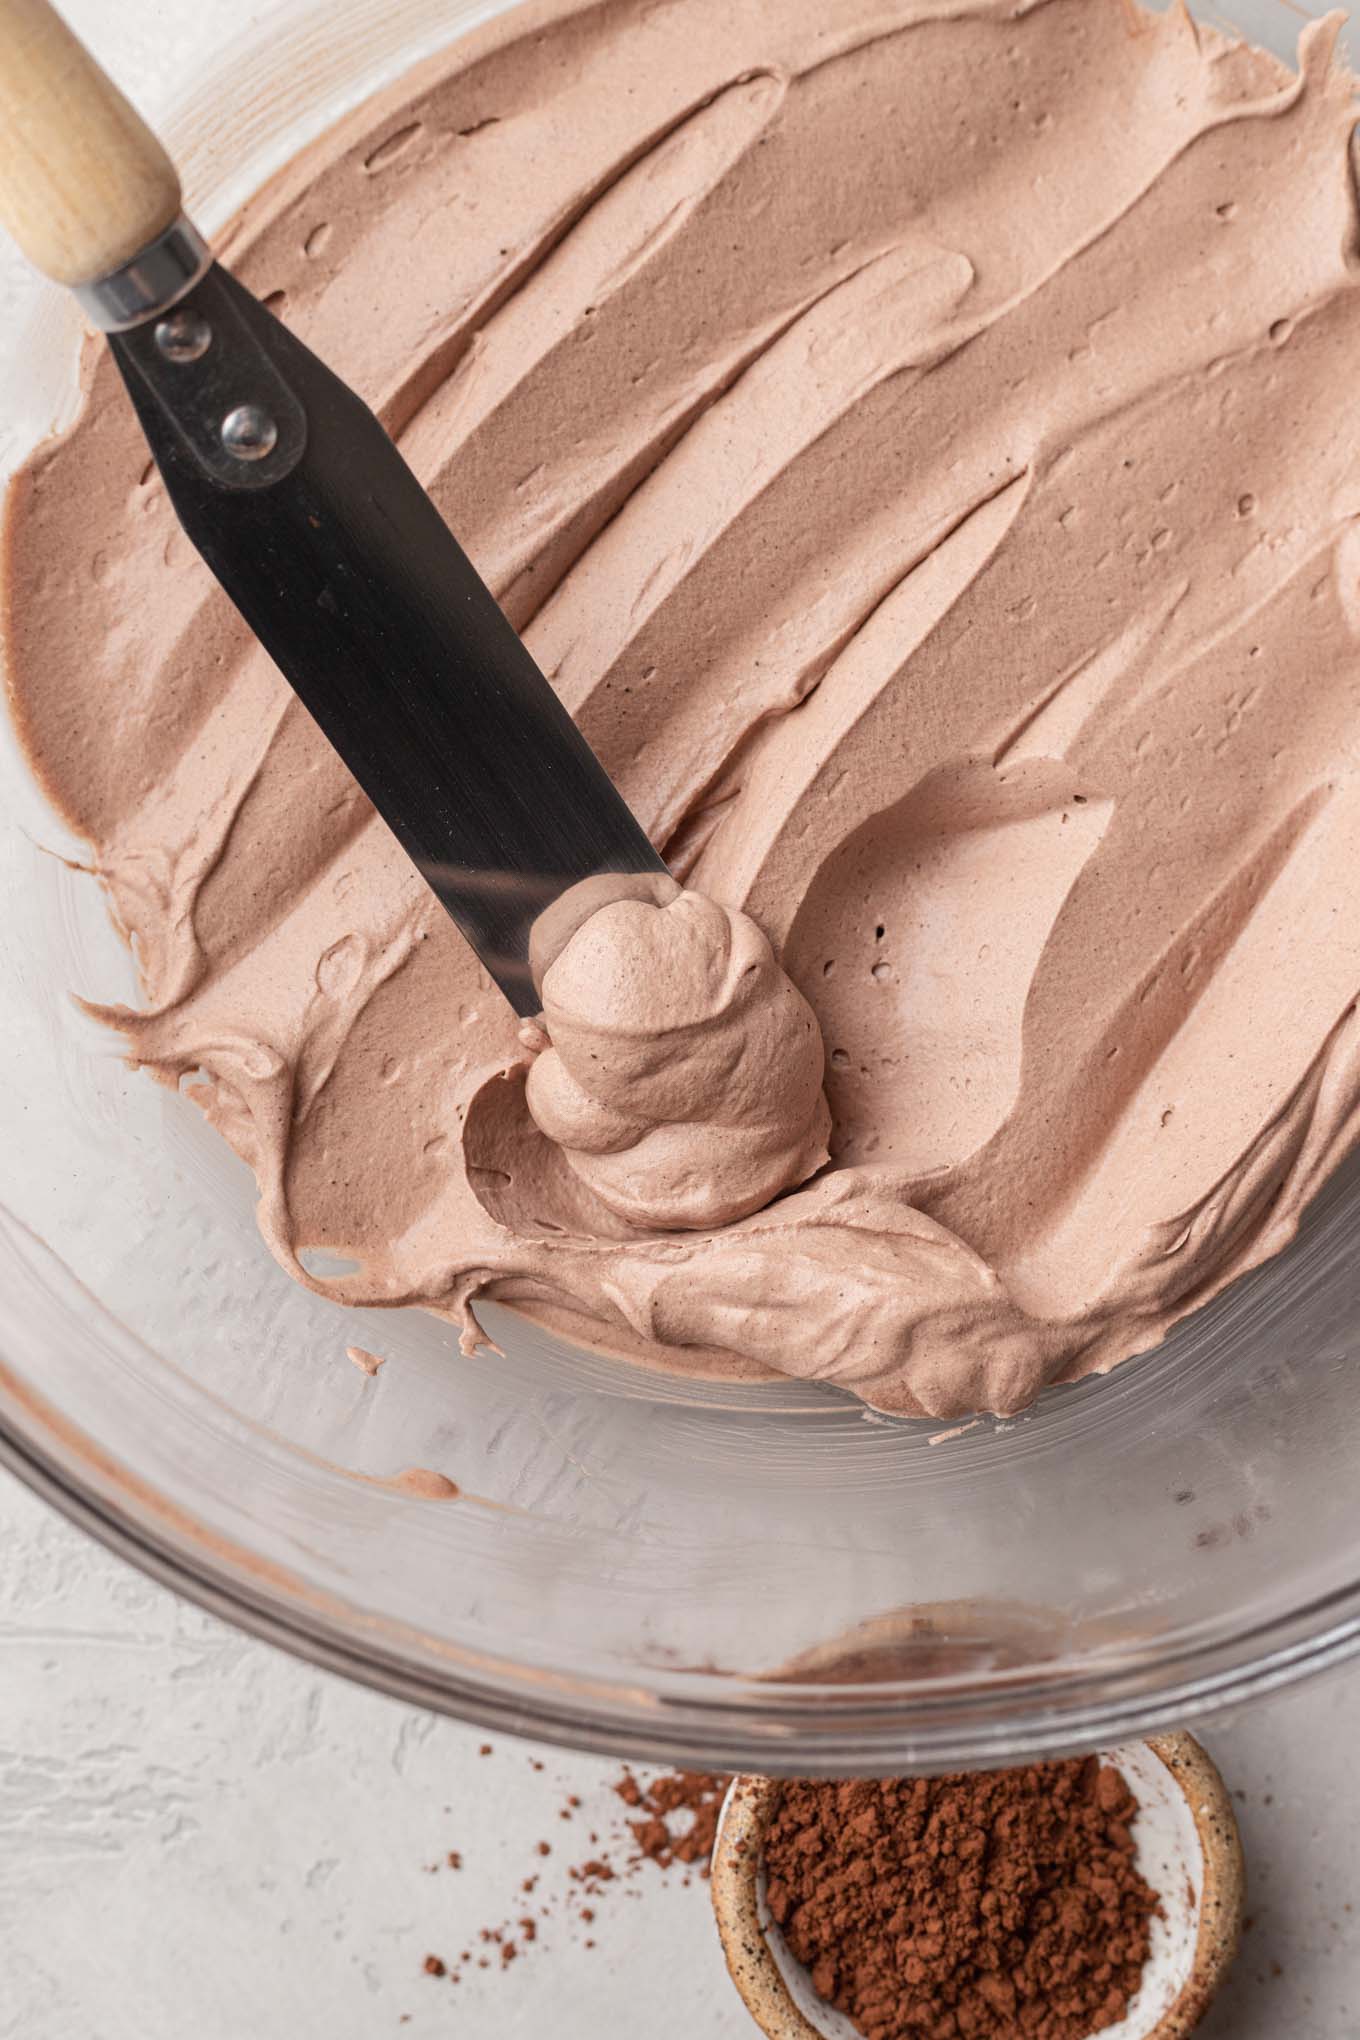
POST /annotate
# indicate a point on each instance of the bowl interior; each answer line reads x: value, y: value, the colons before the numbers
x: 751, y: 1576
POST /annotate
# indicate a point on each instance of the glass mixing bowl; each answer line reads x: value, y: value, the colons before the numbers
x: 763, y: 1578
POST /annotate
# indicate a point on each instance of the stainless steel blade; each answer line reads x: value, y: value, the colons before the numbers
x: 343, y: 568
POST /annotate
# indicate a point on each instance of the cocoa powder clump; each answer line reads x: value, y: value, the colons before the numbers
x: 695, y: 1796
x: 990, y: 1906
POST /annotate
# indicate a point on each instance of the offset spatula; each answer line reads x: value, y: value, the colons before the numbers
x: 317, y: 529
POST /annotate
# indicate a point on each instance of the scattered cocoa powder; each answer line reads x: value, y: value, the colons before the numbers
x: 989, y: 1906
x: 677, y: 1817
x: 695, y: 1795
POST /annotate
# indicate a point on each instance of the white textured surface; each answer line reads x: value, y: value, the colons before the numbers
x: 200, y: 1838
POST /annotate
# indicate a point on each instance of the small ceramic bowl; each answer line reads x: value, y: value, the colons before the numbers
x: 1188, y: 1848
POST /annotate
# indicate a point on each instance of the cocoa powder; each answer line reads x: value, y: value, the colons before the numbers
x: 696, y: 1796
x: 667, y: 1821
x: 988, y: 1906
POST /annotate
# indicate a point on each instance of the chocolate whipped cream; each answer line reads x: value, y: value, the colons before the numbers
x: 684, y: 1077
x: 916, y: 440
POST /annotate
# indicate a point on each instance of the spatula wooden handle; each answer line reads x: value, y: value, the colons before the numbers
x: 84, y: 184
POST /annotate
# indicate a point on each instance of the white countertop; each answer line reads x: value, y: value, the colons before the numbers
x: 202, y: 1840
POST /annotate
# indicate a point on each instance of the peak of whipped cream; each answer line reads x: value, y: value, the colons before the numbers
x: 683, y: 1075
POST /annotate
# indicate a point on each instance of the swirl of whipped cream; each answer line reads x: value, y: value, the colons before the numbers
x: 683, y: 1080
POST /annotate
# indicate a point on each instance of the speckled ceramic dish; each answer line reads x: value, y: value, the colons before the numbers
x: 1188, y: 1849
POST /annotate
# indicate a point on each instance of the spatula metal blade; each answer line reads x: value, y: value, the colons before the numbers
x: 330, y: 548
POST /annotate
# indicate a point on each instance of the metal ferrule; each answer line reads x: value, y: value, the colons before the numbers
x: 154, y: 280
